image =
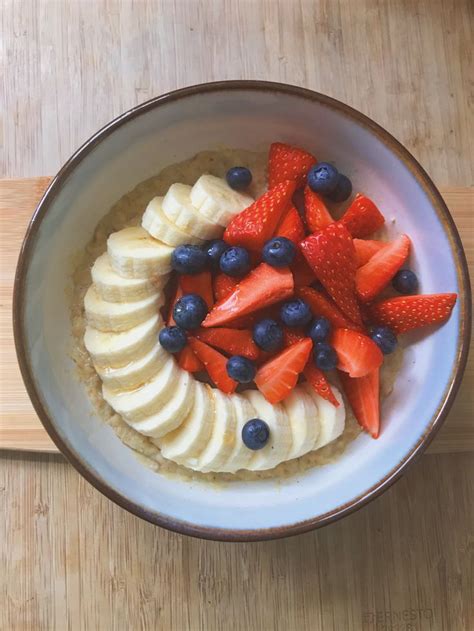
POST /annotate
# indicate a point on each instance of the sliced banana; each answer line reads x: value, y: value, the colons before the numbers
x: 119, y: 316
x: 214, y: 199
x: 222, y: 440
x: 115, y: 288
x: 303, y: 414
x: 178, y: 209
x: 134, y: 254
x: 160, y: 227
x: 137, y: 372
x: 240, y: 455
x: 331, y: 418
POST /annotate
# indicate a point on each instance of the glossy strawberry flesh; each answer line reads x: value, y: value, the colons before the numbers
x: 363, y: 395
x: 357, y: 354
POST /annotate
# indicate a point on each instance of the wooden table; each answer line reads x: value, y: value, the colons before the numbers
x: 69, y: 558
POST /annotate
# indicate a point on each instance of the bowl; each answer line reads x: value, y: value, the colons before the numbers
x: 137, y: 145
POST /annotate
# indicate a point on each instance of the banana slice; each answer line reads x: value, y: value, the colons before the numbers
x: 304, y: 420
x: 109, y: 349
x: 214, y: 199
x: 222, y: 440
x: 115, y: 288
x: 331, y: 419
x: 136, y: 373
x: 178, y: 209
x: 241, y: 455
x: 134, y: 254
x: 159, y: 226
x: 119, y: 316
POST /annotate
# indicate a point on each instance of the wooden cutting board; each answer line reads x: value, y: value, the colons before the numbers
x: 20, y: 428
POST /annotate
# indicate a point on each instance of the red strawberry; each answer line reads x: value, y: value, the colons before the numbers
x: 215, y: 364
x: 277, y: 378
x: 316, y: 213
x: 318, y: 381
x: 331, y: 255
x: 200, y: 284
x: 248, y: 321
x: 291, y: 226
x: 292, y: 336
x: 288, y: 163
x: 177, y: 295
x: 363, y: 395
x: 406, y: 313
x: 224, y: 285
x: 303, y: 275
x: 264, y: 286
x: 376, y: 274
x: 322, y: 306
x: 358, y: 354
x: 362, y: 218
x: 187, y: 360
x: 256, y: 224
x: 231, y: 341
x: 366, y: 248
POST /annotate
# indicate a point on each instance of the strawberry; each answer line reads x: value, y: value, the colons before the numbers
x: 177, y: 295
x: 303, y: 275
x: 406, y: 313
x: 248, y: 321
x: 318, y: 381
x: 322, y: 306
x: 331, y: 255
x: 215, y: 364
x: 200, y: 284
x: 316, y: 213
x: 292, y: 336
x: 231, y: 341
x: 362, y: 218
x: 363, y: 395
x: 288, y: 163
x: 256, y: 224
x: 376, y: 274
x: 277, y: 378
x: 264, y: 286
x: 358, y: 354
x: 224, y: 285
x: 188, y: 360
x: 291, y: 226
x: 366, y: 248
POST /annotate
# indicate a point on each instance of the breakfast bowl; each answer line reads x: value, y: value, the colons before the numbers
x: 247, y: 115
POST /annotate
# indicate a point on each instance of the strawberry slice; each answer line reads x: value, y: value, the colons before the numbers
x: 291, y: 226
x: 318, y: 381
x: 405, y: 313
x: 231, y: 341
x: 358, y: 354
x: 256, y: 224
x: 277, y: 378
x: 316, y: 214
x: 376, y: 274
x: 323, y: 306
x: 363, y: 395
x: 200, y: 284
x: 224, y: 285
x: 292, y: 336
x: 366, y: 248
x: 303, y: 275
x: 288, y: 163
x: 177, y: 295
x: 215, y: 364
x: 362, y: 218
x: 188, y: 360
x: 264, y: 286
x: 331, y: 255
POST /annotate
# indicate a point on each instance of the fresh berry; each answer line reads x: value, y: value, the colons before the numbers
x: 358, y: 354
x: 316, y: 214
x: 268, y: 335
x: 172, y: 339
x: 224, y: 285
x: 264, y: 286
x: 235, y: 261
x: 321, y: 305
x: 363, y: 395
x: 405, y: 281
x: 342, y: 191
x: 325, y: 357
x: 295, y: 313
x: 200, y: 284
x: 255, y: 434
x: 405, y: 313
x: 189, y: 259
x: 291, y: 226
x: 319, y: 329
x: 362, y: 218
x: 303, y: 275
x: 215, y: 249
x: 331, y: 255
x: 189, y: 311
x: 316, y: 378
x: 288, y: 163
x: 385, y: 339
x: 241, y: 369
x: 256, y: 224
x: 238, y: 178
x: 188, y: 360
x: 231, y: 341
x: 366, y: 248
x: 177, y: 295
x: 279, y: 252
x: 215, y: 364
x: 277, y: 378
x: 322, y: 178
x: 292, y: 335
x: 377, y: 273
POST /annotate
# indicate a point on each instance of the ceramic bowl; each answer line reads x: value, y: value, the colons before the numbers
x: 136, y: 146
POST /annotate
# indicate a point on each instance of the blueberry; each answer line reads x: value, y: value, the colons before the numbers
x: 235, y: 262
x: 255, y: 434
x: 279, y: 252
x: 189, y: 311
x: 215, y: 249
x: 189, y: 259
x: 241, y: 369
x: 343, y: 189
x: 295, y: 313
x: 385, y: 339
x: 268, y: 335
x: 319, y: 329
x: 172, y: 339
x: 325, y: 357
x: 405, y: 281
x: 238, y: 178
x: 322, y: 178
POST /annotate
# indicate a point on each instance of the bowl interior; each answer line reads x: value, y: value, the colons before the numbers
x: 139, y: 148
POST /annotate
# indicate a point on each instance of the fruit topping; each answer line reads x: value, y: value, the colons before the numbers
x: 241, y: 369
x: 291, y: 226
x: 321, y: 305
x: 279, y: 252
x: 322, y: 178
x: 405, y: 281
x: 316, y: 214
x: 363, y: 394
x: 200, y: 284
x: 224, y: 285
x: 235, y: 262
x: 319, y: 329
x: 342, y: 191
x: 405, y: 313
x: 189, y: 259
x: 288, y: 163
x: 215, y: 364
x: 366, y: 248
x: 172, y: 339
x: 215, y: 249
x: 295, y: 313
x: 255, y: 434
x: 239, y: 178
x: 316, y: 378
x: 357, y: 353
x: 385, y: 339
x: 231, y: 341
x: 325, y: 357
x: 268, y: 335
x: 362, y: 218
x: 189, y: 311
x: 188, y: 360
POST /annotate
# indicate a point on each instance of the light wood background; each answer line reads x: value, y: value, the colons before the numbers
x: 70, y: 559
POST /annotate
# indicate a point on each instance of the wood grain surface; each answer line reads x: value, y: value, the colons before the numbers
x: 69, y: 558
